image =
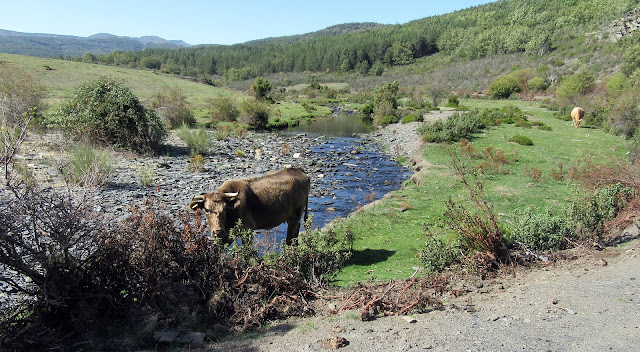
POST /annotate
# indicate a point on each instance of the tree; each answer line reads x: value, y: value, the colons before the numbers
x: 261, y: 89
x: 151, y: 62
x: 106, y: 113
x: 436, y: 88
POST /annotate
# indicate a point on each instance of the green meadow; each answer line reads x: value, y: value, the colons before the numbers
x: 388, y: 242
x: 60, y: 78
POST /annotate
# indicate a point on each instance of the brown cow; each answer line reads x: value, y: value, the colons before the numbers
x: 576, y: 115
x: 259, y: 203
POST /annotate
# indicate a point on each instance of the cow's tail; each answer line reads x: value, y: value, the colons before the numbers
x: 306, y: 209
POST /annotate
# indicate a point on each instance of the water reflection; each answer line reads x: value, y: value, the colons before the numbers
x: 338, y: 125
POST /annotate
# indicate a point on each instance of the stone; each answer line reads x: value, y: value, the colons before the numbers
x: 333, y: 342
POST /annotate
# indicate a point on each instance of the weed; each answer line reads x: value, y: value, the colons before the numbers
x: 87, y: 166
x: 535, y: 174
x: 146, y: 176
x: 198, y: 142
x: 196, y: 163
x: 437, y: 255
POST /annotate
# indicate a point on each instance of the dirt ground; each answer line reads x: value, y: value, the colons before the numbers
x: 588, y: 302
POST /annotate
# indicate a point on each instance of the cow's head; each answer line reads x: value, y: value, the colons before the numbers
x: 216, y: 205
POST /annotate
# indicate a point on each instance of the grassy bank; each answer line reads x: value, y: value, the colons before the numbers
x: 60, y: 78
x: 388, y: 242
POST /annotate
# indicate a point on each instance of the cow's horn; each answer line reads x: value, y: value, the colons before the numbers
x: 196, y: 202
x: 230, y: 195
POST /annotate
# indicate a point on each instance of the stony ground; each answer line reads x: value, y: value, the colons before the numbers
x: 589, y: 302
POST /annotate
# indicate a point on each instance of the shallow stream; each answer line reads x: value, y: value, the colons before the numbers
x: 356, y: 172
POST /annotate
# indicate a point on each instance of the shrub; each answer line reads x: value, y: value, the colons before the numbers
x: 456, y: 127
x: 537, y: 84
x: 503, y: 86
x: 223, y: 108
x: 476, y: 223
x: 412, y: 118
x: 261, y: 89
x: 584, y: 220
x: 198, y: 142
x: 88, y: 166
x: 255, y: 113
x: 522, y: 140
x: 452, y: 101
x: 437, y: 255
x: 386, y: 120
x: 173, y: 108
x: 19, y: 94
x: 574, y: 86
x: 317, y: 255
x: 540, y: 232
x: 106, y: 113
x: 383, y: 109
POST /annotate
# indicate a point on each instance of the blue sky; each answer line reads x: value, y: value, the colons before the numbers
x: 210, y: 22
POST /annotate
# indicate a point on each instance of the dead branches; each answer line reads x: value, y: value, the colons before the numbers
x: 395, y: 297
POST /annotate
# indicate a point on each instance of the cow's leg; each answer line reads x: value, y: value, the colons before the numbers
x: 293, y: 225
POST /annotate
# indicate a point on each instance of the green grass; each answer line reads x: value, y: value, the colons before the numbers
x: 65, y: 76
x: 61, y: 79
x: 388, y: 243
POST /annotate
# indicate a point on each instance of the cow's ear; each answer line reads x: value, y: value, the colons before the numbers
x: 197, y: 202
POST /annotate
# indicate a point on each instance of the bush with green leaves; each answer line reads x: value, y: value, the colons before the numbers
x: 261, y: 89
x: 317, y: 255
x: 385, y: 120
x: 437, y: 255
x: 417, y: 117
x: 224, y: 108
x: 197, y: 141
x: 173, y: 108
x: 255, y: 114
x: 503, y: 87
x: 104, y: 112
x: 575, y: 86
x: 537, y: 84
x: 540, y: 232
x: 522, y: 140
x: 584, y: 220
x: 456, y: 127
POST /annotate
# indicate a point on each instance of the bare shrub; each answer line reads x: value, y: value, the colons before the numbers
x: 477, y: 225
x: 19, y: 94
x: 173, y: 108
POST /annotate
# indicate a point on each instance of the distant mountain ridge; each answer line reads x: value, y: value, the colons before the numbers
x: 55, y: 45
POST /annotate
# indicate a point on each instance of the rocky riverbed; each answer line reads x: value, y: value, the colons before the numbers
x: 347, y: 169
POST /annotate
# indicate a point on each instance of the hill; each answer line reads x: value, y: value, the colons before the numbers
x: 53, y: 45
x: 537, y: 29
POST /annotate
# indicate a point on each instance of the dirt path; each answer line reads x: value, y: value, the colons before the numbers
x: 588, y: 303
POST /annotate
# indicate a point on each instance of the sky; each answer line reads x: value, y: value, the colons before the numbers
x: 210, y: 22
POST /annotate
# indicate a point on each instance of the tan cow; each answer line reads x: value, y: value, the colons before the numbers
x: 259, y: 203
x: 577, y: 114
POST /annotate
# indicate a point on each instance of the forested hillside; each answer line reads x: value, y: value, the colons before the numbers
x: 534, y: 27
